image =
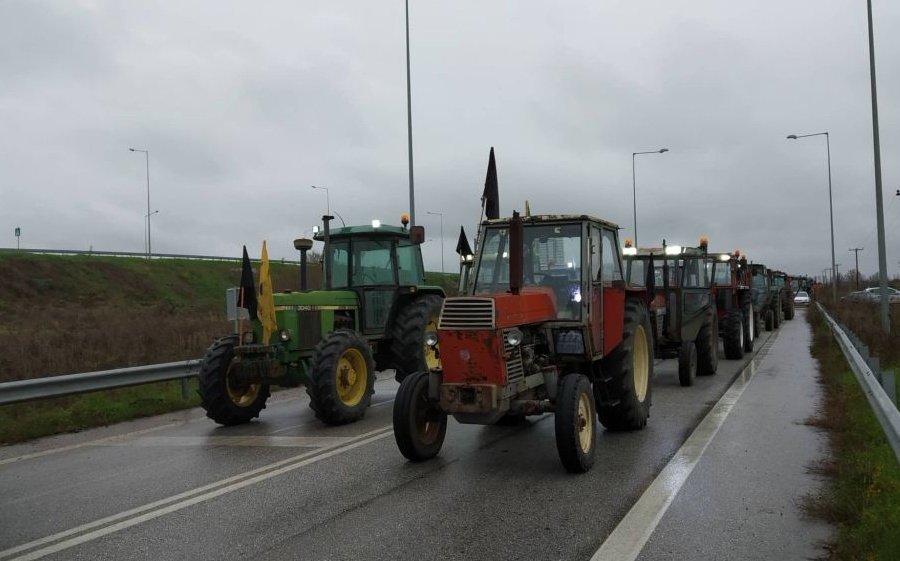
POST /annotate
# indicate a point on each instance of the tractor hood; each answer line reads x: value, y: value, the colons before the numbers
x: 315, y: 300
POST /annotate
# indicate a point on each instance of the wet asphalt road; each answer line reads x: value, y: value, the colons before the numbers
x: 286, y: 487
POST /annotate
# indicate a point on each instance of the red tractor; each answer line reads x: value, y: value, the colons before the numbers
x: 734, y: 303
x: 547, y: 325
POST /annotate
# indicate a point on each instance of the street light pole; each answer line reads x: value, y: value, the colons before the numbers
x: 147, y: 159
x: 441, y: 214
x: 830, y: 204
x: 327, y: 200
x: 412, y: 199
x: 857, y: 250
x: 634, y: 185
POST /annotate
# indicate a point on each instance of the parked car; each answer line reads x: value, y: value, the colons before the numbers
x: 801, y: 299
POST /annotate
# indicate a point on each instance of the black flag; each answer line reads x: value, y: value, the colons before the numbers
x: 247, y: 297
x: 490, y: 199
x: 462, y: 246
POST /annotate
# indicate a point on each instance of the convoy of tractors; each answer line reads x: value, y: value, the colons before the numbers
x: 555, y: 316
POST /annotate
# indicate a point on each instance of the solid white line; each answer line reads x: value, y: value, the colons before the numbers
x: 628, y: 538
x: 177, y: 502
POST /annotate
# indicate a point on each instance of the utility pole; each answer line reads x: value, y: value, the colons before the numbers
x: 857, y: 250
x: 412, y: 197
x: 837, y: 274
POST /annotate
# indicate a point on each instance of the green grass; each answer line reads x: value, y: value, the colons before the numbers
x: 25, y: 421
x: 863, y: 496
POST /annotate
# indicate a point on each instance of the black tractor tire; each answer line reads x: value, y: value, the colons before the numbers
x: 749, y: 321
x: 776, y: 317
x: 225, y: 403
x: 624, y: 396
x: 342, y: 378
x: 789, y: 309
x: 419, y: 425
x: 411, y: 324
x: 770, y: 320
x: 576, y: 424
x: 733, y: 334
x: 687, y: 363
x: 708, y: 347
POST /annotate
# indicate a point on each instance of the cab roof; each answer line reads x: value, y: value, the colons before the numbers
x: 367, y: 231
x: 552, y: 219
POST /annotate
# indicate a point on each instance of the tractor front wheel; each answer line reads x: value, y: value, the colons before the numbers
x: 770, y: 320
x: 734, y: 335
x: 342, y: 378
x: 623, y: 395
x: 749, y: 321
x: 419, y: 424
x: 576, y: 434
x: 226, y: 400
x: 708, y: 346
x: 687, y: 363
x: 413, y: 322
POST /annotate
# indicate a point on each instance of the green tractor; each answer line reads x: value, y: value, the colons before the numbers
x: 372, y: 314
x: 766, y: 298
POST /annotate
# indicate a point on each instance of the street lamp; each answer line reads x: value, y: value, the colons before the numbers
x: 634, y: 185
x: 830, y: 205
x: 441, y: 214
x: 147, y: 159
x: 327, y: 199
x: 147, y: 217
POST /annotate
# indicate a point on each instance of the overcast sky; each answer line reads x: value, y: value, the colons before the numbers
x: 244, y: 105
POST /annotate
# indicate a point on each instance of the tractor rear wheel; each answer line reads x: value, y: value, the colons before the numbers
x: 576, y: 424
x: 342, y: 378
x: 770, y: 320
x: 623, y: 397
x: 749, y: 321
x: 734, y: 334
x: 413, y: 322
x: 776, y: 316
x: 227, y: 401
x: 687, y: 363
x: 419, y: 424
x: 789, y: 313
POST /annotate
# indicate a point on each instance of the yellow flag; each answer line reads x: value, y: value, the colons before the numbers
x: 266, y: 309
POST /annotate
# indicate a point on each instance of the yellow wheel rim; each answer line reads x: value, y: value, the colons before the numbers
x: 431, y: 356
x: 640, y: 363
x: 584, y: 422
x: 242, y: 395
x: 352, y: 376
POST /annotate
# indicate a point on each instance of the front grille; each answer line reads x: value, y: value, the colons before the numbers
x: 515, y: 370
x: 467, y: 313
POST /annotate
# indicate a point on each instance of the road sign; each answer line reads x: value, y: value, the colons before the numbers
x: 18, y: 231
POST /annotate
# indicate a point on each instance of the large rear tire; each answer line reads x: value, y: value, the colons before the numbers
x: 770, y: 320
x: 576, y: 424
x: 417, y: 318
x: 623, y: 397
x: 342, y: 378
x: 749, y: 321
x: 225, y: 400
x: 419, y: 424
x: 733, y: 330
x: 687, y: 363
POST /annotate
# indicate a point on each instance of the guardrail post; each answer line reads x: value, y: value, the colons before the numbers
x: 185, y: 388
x: 875, y: 366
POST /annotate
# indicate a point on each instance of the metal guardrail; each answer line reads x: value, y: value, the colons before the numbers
x: 58, y: 386
x: 885, y: 410
x: 136, y: 254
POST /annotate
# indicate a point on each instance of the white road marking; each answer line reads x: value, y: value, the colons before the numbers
x: 632, y: 533
x: 156, y: 509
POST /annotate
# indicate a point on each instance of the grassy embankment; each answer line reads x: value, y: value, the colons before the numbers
x: 68, y: 314
x: 862, y: 498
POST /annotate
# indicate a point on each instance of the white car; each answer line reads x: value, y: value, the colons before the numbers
x: 801, y: 299
x: 874, y: 294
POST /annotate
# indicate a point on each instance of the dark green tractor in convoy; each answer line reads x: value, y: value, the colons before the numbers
x: 783, y: 282
x: 682, y: 307
x: 766, y: 298
x: 372, y: 314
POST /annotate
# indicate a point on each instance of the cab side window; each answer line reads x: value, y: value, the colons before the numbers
x: 612, y: 268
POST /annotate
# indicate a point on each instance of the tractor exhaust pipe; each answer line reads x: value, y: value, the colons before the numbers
x: 326, y: 272
x: 516, y: 233
x: 303, y: 245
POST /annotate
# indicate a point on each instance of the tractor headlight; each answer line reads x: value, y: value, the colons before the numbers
x: 431, y: 339
x: 247, y: 338
x: 513, y: 337
x: 673, y: 250
x: 285, y: 335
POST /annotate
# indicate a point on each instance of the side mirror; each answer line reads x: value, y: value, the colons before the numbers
x: 417, y: 234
